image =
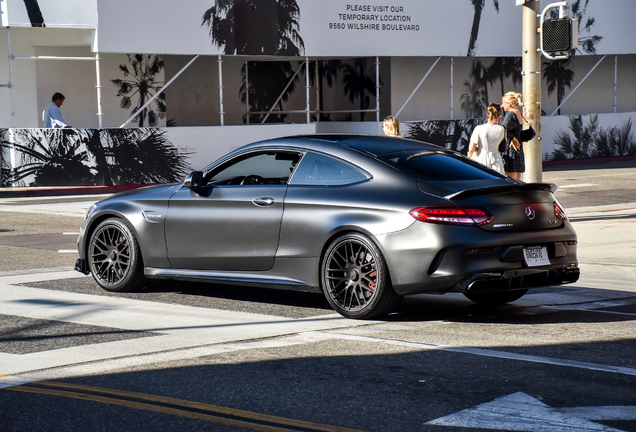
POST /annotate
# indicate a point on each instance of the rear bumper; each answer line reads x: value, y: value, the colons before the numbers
x: 430, y: 258
x: 519, y: 279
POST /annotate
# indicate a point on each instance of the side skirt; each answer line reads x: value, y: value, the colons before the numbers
x: 230, y: 278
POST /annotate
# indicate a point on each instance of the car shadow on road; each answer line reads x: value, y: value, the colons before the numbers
x: 451, y: 307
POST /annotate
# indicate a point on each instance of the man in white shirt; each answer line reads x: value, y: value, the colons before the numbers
x: 52, y: 116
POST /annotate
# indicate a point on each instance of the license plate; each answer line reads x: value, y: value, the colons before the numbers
x: 536, y: 256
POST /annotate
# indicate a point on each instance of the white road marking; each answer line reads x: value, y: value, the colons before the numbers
x: 587, y: 177
x: 69, y: 251
x: 602, y: 412
x: 520, y: 412
x: 488, y: 353
x: 176, y: 327
x: 577, y: 185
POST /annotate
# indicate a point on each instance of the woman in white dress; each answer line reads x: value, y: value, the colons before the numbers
x: 484, y: 142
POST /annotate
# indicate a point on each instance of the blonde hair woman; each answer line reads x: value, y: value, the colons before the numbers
x: 391, y: 126
x: 484, y: 142
x: 513, y: 158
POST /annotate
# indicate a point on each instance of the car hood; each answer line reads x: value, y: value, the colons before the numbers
x: 164, y: 191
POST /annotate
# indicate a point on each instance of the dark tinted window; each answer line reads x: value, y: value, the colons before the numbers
x: 439, y: 166
x: 259, y: 168
x: 320, y: 170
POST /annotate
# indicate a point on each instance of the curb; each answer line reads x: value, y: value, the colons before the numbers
x: 33, y: 192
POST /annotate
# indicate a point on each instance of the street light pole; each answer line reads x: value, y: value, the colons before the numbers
x: 531, y: 66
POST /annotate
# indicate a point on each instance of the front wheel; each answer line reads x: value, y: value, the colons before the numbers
x: 114, y: 258
x: 495, y: 298
x: 355, y: 279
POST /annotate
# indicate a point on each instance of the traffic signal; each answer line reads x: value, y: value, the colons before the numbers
x: 559, y: 35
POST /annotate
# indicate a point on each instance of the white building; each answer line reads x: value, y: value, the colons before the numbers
x: 433, y: 60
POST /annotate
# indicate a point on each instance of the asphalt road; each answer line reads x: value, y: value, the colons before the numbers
x: 180, y: 356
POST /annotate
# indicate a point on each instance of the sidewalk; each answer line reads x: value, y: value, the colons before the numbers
x: 607, y: 241
x: 27, y: 192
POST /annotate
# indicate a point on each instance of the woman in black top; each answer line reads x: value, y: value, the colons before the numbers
x: 513, y: 158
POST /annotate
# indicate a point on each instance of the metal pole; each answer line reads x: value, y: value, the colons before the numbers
x: 222, y: 111
x: 377, y: 89
x: 247, y: 91
x: 98, y: 86
x: 531, y: 64
x: 12, y: 155
x: 452, y: 63
x: 307, y: 88
x: 615, y: 79
x: 159, y: 92
x: 11, y: 84
x: 317, y: 82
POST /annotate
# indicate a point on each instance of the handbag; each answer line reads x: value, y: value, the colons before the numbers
x: 503, y: 145
x: 527, y: 134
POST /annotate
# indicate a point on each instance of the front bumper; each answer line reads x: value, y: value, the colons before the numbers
x: 80, y: 266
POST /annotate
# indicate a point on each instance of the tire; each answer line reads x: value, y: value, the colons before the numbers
x: 114, y: 258
x: 495, y: 298
x: 355, y: 280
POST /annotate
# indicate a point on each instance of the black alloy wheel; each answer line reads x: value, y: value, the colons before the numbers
x: 355, y: 280
x: 114, y: 258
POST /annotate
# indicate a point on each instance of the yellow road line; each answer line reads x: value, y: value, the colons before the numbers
x: 177, y: 407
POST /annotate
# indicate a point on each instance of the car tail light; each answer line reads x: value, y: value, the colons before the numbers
x: 452, y: 215
x: 559, y: 212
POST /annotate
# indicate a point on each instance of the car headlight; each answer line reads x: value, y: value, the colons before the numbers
x: 90, y: 211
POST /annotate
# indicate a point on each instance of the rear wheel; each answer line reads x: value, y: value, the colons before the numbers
x: 114, y: 258
x: 495, y: 298
x: 355, y: 279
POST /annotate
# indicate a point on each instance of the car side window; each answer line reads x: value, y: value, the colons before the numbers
x: 321, y: 170
x: 259, y: 168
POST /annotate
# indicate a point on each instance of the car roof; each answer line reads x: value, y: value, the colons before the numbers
x: 370, y: 145
x: 375, y: 145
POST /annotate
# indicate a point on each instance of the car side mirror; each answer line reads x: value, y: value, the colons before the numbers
x: 193, y: 180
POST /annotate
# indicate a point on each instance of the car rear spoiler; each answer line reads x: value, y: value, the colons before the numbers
x: 551, y: 187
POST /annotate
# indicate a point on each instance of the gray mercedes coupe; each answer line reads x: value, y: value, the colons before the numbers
x: 364, y: 219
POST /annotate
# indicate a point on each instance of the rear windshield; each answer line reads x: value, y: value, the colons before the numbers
x: 439, y: 166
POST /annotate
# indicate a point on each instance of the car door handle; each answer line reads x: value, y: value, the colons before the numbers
x: 263, y: 201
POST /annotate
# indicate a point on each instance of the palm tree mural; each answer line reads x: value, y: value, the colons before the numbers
x: 141, y: 85
x: 451, y: 134
x: 255, y: 27
x: 357, y: 83
x: 558, y: 76
x: 591, y: 140
x: 49, y: 157
x: 327, y: 72
x: 34, y: 12
x: 586, y: 43
x: 475, y: 99
x: 259, y: 27
x: 267, y: 80
x: 478, y: 6
x: 503, y: 68
x: 558, y: 73
x: 76, y: 157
